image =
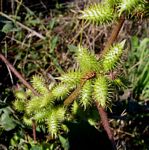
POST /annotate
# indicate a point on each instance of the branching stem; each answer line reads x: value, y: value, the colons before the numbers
x: 75, y: 93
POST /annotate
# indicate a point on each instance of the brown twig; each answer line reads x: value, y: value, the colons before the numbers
x: 23, y: 26
x: 17, y: 74
x: 34, y: 130
x: 114, y: 34
x: 20, y: 77
x: 106, y: 124
x: 101, y: 110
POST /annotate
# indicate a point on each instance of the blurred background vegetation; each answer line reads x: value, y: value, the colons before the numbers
x: 49, y: 51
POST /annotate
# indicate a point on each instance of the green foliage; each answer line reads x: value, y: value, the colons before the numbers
x: 20, y: 94
x: 42, y: 108
x: 8, y: 27
x: 45, y: 108
x: 27, y: 120
x: 47, y: 99
x: 19, y: 141
x: 7, y: 122
x: 75, y: 108
x: 64, y: 142
x: 134, y: 8
x: 109, y: 10
x: 19, y: 103
x: 138, y: 65
x: 90, y: 77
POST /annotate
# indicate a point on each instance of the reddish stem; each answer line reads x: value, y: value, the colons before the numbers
x: 19, y: 76
x: 106, y: 124
x: 34, y: 130
x: 114, y: 34
x: 101, y: 110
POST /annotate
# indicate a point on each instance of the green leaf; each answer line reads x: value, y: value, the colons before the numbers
x: 36, y: 147
x: 64, y: 142
x: 72, y: 48
x: 53, y: 43
x: 52, y: 23
x: 34, y: 22
x: 7, y: 27
x: 134, y: 42
x: 6, y: 121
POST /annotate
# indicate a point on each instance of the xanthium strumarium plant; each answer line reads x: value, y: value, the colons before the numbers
x: 48, y: 106
x: 89, y: 83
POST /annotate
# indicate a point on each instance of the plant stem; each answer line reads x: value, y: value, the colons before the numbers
x: 105, y: 124
x: 101, y: 110
x: 19, y: 76
x: 34, y: 130
x: 113, y: 35
x: 75, y: 93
